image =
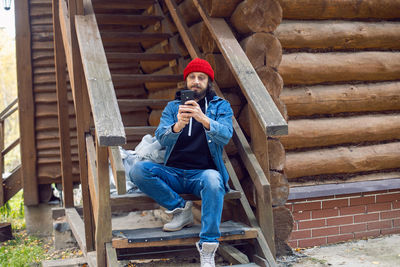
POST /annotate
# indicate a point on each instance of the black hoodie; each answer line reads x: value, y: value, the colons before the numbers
x: 192, y: 152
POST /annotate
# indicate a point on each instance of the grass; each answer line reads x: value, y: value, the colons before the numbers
x: 24, y: 249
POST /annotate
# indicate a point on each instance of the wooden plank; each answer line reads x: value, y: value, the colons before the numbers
x: 103, y: 227
x: 1, y: 163
x: 134, y: 201
x: 133, y: 37
x: 264, y: 213
x: 112, y: 260
x: 140, y: 130
x: 81, y: 102
x: 8, y: 148
x: 252, y: 87
x: 77, y: 227
x: 182, y: 27
x: 129, y: 57
x: 9, y: 107
x: 232, y: 254
x: 121, y: 4
x: 63, y: 110
x: 91, y: 259
x: 122, y: 19
x: 118, y: 169
x: 142, y: 78
x: 92, y: 175
x: 12, y: 184
x: 123, y: 243
x: 26, y: 102
x: 136, y: 103
x: 107, y: 118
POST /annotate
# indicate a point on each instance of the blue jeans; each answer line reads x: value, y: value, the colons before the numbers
x: 164, y: 184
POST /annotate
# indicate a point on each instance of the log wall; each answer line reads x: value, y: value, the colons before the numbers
x: 340, y: 71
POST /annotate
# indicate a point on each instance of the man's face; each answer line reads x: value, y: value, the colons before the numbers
x: 197, y: 82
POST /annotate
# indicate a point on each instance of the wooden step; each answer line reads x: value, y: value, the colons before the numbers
x: 128, y: 57
x: 140, y: 201
x: 100, y: 5
x: 132, y: 37
x: 122, y: 19
x: 156, y: 237
x: 140, y: 103
x: 136, y: 79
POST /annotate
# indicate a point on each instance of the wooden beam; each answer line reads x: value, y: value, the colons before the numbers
x: 123, y: 243
x: 77, y: 227
x: 232, y: 254
x: 26, y: 102
x: 12, y: 184
x: 82, y: 110
x: 104, y: 106
x: 260, y: 101
x: 93, y: 180
x: 118, y: 169
x: 103, y: 227
x: 63, y: 109
x: 112, y: 260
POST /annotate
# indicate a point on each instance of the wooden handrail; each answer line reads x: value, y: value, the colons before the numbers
x: 103, y: 101
x: 257, y: 96
x: 4, y: 114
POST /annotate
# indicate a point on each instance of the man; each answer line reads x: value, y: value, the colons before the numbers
x: 194, y: 135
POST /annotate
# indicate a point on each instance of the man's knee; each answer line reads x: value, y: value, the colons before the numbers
x: 213, y: 180
x: 138, y: 171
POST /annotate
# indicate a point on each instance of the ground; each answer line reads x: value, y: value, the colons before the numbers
x: 382, y: 252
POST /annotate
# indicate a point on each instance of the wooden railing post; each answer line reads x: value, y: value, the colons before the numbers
x: 63, y: 114
x: 103, y: 227
x: 82, y: 110
x: 259, y: 145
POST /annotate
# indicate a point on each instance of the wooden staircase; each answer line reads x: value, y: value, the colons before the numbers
x: 10, y: 183
x: 115, y: 40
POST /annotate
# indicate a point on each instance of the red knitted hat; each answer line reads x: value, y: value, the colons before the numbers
x: 199, y: 65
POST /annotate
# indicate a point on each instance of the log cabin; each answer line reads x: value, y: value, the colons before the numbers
x: 314, y: 85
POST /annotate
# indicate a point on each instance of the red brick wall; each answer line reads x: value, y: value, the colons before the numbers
x: 326, y: 220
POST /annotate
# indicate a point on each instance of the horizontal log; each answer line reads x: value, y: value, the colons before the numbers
x: 220, y: 9
x: 343, y: 160
x: 310, y: 100
x: 340, y: 9
x: 339, y: 35
x: 256, y: 16
x: 334, y: 131
x: 262, y: 49
x: 276, y: 155
x: 279, y: 188
x: 272, y: 80
x: 314, y: 68
x: 223, y: 75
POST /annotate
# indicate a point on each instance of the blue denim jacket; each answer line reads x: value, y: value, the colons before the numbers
x: 219, y: 112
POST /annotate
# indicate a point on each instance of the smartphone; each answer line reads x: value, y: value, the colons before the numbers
x: 186, y: 95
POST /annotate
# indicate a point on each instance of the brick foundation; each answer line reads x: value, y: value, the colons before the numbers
x: 332, y: 219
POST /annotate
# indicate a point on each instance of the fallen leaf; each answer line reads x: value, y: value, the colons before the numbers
x: 375, y: 262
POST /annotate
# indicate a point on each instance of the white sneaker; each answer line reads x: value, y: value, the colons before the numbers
x: 183, y: 217
x: 207, y: 253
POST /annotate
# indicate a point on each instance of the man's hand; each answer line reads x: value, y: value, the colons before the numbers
x: 183, y: 119
x: 193, y: 110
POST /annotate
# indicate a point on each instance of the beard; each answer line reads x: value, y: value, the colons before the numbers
x: 198, y: 94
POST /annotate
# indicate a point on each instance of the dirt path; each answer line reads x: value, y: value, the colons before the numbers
x: 381, y: 252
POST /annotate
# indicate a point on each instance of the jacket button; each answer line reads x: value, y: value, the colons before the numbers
x: 209, y: 141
